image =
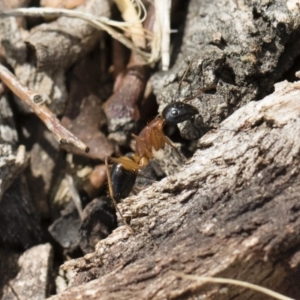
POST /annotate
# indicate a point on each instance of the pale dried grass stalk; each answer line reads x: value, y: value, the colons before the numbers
x: 131, y: 15
x: 162, y: 31
x: 244, y: 284
x: 101, y: 23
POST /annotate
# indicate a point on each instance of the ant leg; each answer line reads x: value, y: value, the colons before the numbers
x: 127, y: 163
x: 111, y: 194
x: 201, y: 91
x: 157, y: 139
x: 170, y: 144
x: 184, y: 74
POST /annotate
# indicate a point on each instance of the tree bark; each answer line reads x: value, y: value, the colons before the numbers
x: 231, y: 212
x: 238, y: 49
x: 26, y: 276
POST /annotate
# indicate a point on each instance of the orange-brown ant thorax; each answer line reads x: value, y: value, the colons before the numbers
x: 151, y: 136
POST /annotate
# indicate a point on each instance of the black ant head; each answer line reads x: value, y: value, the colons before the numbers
x: 178, y: 112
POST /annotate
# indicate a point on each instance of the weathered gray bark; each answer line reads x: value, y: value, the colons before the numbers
x: 26, y: 276
x: 241, y: 48
x: 19, y: 220
x: 232, y: 211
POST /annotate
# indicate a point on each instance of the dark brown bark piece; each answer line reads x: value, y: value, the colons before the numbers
x: 99, y: 220
x: 231, y: 212
x: 64, y: 230
x: 9, y: 267
x: 46, y: 163
x: 84, y: 115
x: 122, y: 107
x: 19, y: 221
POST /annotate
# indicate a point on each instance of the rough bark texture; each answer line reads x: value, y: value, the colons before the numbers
x: 241, y: 48
x: 20, y: 222
x: 84, y: 115
x: 232, y: 212
x: 12, y: 163
x: 51, y: 48
x: 26, y: 276
x: 46, y: 163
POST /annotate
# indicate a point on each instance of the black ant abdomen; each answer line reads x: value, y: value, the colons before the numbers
x: 123, y: 180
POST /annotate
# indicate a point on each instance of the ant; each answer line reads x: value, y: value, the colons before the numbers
x: 125, y: 168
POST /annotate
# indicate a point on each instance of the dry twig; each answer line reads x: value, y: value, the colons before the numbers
x: 121, y: 108
x: 36, y: 102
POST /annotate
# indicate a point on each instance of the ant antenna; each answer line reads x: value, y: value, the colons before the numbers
x: 184, y: 74
x: 201, y: 91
